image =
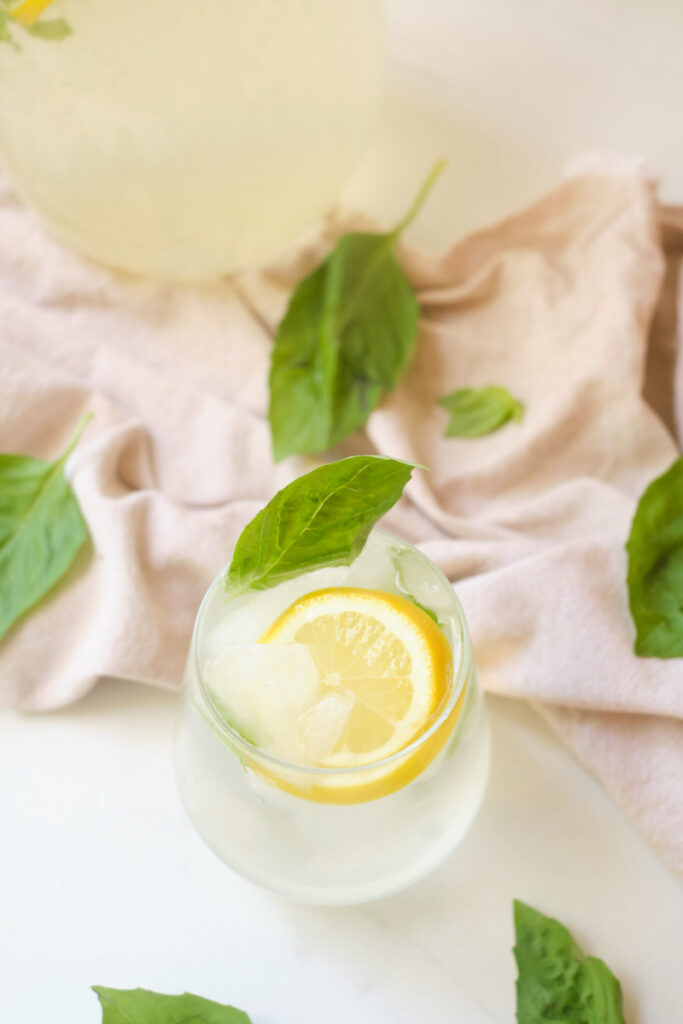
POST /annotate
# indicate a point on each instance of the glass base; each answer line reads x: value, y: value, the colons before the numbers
x: 325, y: 854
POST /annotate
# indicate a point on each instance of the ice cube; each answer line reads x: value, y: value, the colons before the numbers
x: 263, y: 690
x: 373, y: 568
x: 246, y: 618
x: 322, y: 727
x: 285, y: 594
x: 235, y: 625
x: 416, y: 578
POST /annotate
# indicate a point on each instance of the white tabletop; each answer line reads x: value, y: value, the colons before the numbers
x: 512, y: 92
x: 103, y: 879
x: 105, y: 882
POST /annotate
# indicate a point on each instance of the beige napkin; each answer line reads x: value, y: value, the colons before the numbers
x: 556, y: 303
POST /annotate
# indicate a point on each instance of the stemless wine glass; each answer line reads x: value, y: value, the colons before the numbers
x: 322, y: 835
x: 187, y: 140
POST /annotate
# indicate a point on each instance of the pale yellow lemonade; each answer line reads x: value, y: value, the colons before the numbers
x: 189, y: 139
x: 334, y: 744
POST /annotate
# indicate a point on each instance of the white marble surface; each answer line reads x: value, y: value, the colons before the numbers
x: 102, y: 880
x: 512, y: 92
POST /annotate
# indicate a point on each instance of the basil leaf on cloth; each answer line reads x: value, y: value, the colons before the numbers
x: 655, y: 567
x: 556, y: 982
x: 322, y: 518
x: 479, y: 411
x: 348, y: 335
x: 41, y: 529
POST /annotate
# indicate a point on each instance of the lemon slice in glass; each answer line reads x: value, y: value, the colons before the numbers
x: 385, y: 672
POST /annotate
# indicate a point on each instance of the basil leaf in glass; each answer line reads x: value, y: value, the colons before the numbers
x: 348, y: 336
x: 475, y: 412
x: 398, y: 558
x: 655, y: 567
x: 41, y: 529
x: 321, y: 519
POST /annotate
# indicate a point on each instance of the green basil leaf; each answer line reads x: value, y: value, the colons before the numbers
x: 300, y: 413
x: 478, y: 411
x: 321, y: 519
x: 53, y: 31
x: 655, y: 567
x: 5, y: 34
x: 41, y: 530
x: 423, y: 608
x: 348, y: 335
x: 556, y: 982
x: 139, y: 1006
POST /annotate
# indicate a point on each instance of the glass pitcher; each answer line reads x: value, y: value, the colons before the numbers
x: 185, y: 140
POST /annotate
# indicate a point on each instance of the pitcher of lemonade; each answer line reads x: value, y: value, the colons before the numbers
x: 185, y: 140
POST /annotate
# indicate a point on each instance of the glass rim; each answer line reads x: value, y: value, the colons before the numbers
x: 460, y: 675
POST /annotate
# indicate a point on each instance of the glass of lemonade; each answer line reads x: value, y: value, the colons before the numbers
x: 186, y: 140
x: 334, y: 743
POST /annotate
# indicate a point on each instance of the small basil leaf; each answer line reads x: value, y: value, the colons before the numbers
x: 348, y: 335
x: 41, y: 530
x: 140, y: 1006
x: 655, y: 567
x: 556, y: 982
x: 479, y: 411
x: 321, y: 519
x: 53, y: 31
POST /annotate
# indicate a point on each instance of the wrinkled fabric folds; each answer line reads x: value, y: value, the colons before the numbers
x: 573, y: 305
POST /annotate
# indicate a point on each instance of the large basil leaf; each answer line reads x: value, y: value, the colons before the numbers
x: 348, y: 335
x: 321, y: 519
x: 655, y: 567
x: 41, y: 530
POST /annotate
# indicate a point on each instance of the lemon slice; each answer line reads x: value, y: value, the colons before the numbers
x: 29, y: 12
x: 385, y: 672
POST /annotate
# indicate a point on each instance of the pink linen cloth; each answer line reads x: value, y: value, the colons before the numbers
x: 563, y: 303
